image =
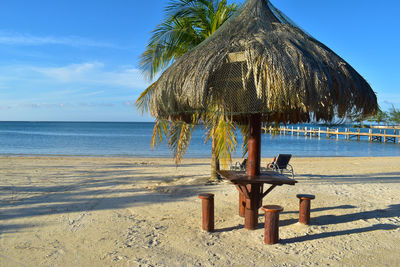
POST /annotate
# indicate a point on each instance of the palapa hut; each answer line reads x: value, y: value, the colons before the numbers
x: 259, y: 62
x: 259, y: 66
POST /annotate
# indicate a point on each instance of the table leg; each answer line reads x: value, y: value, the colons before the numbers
x: 242, y: 204
x: 252, y: 206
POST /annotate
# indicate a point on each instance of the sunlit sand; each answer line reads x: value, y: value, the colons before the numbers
x: 66, y: 211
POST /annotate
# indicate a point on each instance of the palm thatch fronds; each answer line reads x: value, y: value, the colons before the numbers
x: 188, y: 23
x: 260, y: 62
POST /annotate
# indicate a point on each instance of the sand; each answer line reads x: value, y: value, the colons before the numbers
x: 82, y: 211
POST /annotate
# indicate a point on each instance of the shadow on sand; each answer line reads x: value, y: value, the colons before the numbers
x: 94, y: 190
x: 391, y: 211
x: 339, y: 233
x: 382, y: 177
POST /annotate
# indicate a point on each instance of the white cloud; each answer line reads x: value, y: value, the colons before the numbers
x: 5, y: 107
x: 13, y: 38
x: 48, y: 93
x: 389, y: 104
x: 94, y: 73
x: 70, y: 73
x: 129, y: 104
x: 40, y: 105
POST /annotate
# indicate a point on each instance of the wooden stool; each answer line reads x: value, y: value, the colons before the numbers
x: 304, y: 209
x: 271, y: 235
x: 207, y: 203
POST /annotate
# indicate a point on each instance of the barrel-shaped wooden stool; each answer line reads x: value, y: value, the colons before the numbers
x: 271, y: 235
x: 207, y: 203
x: 305, y: 207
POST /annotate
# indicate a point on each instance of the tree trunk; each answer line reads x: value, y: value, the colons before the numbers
x: 214, y: 163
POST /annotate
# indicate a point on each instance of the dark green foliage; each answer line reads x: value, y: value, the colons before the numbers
x: 394, y: 115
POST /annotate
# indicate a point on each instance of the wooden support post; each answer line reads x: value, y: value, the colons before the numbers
x: 370, y: 135
x: 298, y: 130
x: 327, y: 133
x: 398, y: 137
x: 384, y: 136
x: 253, y: 169
x: 254, y: 146
x: 292, y: 130
x: 358, y: 135
x: 305, y: 132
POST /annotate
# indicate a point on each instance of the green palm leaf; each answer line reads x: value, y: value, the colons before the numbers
x: 179, y: 137
x: 188, y: 23
x: 225, y: 137
x: 142, y: 103
x: 160, y: 130
x: 244, y: 130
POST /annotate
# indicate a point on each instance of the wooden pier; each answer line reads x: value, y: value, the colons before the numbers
x: 373, y: 135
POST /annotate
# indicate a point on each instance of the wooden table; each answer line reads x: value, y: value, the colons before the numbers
x: 251, y: 191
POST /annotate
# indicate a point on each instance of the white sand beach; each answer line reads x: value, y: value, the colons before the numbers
x: 106, y: 211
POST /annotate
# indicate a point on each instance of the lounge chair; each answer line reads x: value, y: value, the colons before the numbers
x: 239, y: 166
x: 281, y: 164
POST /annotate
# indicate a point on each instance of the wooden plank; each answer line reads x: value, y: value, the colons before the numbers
x: 266, y: 177
x: 236, y: 57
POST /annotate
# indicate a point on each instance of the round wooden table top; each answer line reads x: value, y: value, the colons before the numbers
x: 206, y: 196
x: 305, y: 196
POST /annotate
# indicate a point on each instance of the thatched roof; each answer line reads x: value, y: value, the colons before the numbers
x: 259, y: 62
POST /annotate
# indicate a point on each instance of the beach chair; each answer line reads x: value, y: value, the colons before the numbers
x: 239, y: 166
x: 281, y: 165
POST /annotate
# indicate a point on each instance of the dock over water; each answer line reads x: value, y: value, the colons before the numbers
x: 373, y: 135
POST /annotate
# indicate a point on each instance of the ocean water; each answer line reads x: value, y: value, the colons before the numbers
x: 132, y: 139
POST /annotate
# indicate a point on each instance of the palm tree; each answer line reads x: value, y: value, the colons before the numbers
x: 188, y: 23
x: 381, y: 116
x: 395, y: 115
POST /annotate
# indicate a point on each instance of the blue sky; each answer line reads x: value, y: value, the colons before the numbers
x: 70, y: 60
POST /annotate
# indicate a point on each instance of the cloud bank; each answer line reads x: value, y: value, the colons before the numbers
x: 13, y: 38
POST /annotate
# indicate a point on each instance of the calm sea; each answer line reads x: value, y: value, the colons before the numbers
x: 133, y: 140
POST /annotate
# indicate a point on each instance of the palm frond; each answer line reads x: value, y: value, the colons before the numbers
x: 224, y: 134
x: 183, y: 8
x: 179, y: 137
x: 188, y: 23
x: 160, y: 130
x: 169, y: 41
x: 244, y: 130
x: 143, y: 101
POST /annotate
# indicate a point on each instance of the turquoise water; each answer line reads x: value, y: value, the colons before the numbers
x: 133, y: 140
